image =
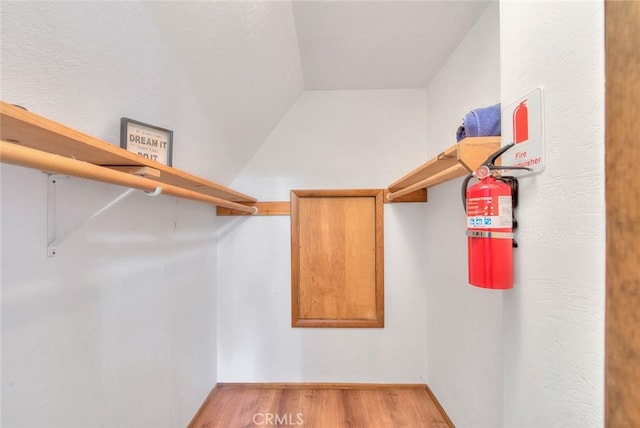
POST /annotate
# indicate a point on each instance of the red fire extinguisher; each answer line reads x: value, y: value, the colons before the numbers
x: 489, y: 205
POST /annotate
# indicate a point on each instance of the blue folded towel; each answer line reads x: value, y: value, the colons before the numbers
x: 481, y: 122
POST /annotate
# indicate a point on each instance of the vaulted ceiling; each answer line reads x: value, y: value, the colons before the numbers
x: 248, y: 61
x: 220, y: 73
x: 378, y: 44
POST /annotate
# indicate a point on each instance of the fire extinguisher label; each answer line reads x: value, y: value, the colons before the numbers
x: 489, y: 212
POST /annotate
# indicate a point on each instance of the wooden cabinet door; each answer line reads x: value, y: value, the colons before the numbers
x: 337, y: 258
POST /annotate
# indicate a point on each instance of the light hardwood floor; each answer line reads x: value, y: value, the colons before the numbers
x: 319, y: 407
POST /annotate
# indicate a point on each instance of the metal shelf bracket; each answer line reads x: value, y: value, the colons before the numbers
x: 52, y: 240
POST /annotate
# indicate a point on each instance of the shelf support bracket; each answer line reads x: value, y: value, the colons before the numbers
x: 52, y: 240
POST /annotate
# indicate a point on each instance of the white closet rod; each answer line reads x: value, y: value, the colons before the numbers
x: 24, y: 156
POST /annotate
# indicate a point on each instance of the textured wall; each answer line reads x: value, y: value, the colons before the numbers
x: 329, y: 139
x: 119, y: 329
x: 219, y: 74
x: 464, y: 337
x: 553, y: 318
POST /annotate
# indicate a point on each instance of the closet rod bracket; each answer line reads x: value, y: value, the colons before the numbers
x: 52, y: 241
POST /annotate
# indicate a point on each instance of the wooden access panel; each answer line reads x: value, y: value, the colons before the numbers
x: 337, y: 258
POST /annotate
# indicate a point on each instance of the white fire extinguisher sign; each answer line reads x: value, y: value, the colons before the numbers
x: 523, y: 124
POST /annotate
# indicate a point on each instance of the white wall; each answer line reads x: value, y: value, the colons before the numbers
x: 531, y: 356
x: 553, y: 318
x: 119, y: 329
x: 329, y: 139
x: 464, y: 337
x: 219, y: 74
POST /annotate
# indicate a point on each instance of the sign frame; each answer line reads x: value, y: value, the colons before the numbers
x: 149, y: 141
x: 531, y: 151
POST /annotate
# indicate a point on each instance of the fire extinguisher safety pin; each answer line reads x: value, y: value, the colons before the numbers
x: 486, y: 234
x: 485, y: 169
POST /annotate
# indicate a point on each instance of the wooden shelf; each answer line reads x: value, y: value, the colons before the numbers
x: 31, y: 130
x: 456, y: 161
x: 264, y: 208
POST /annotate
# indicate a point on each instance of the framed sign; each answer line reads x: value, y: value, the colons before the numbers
x: 146, y: 140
